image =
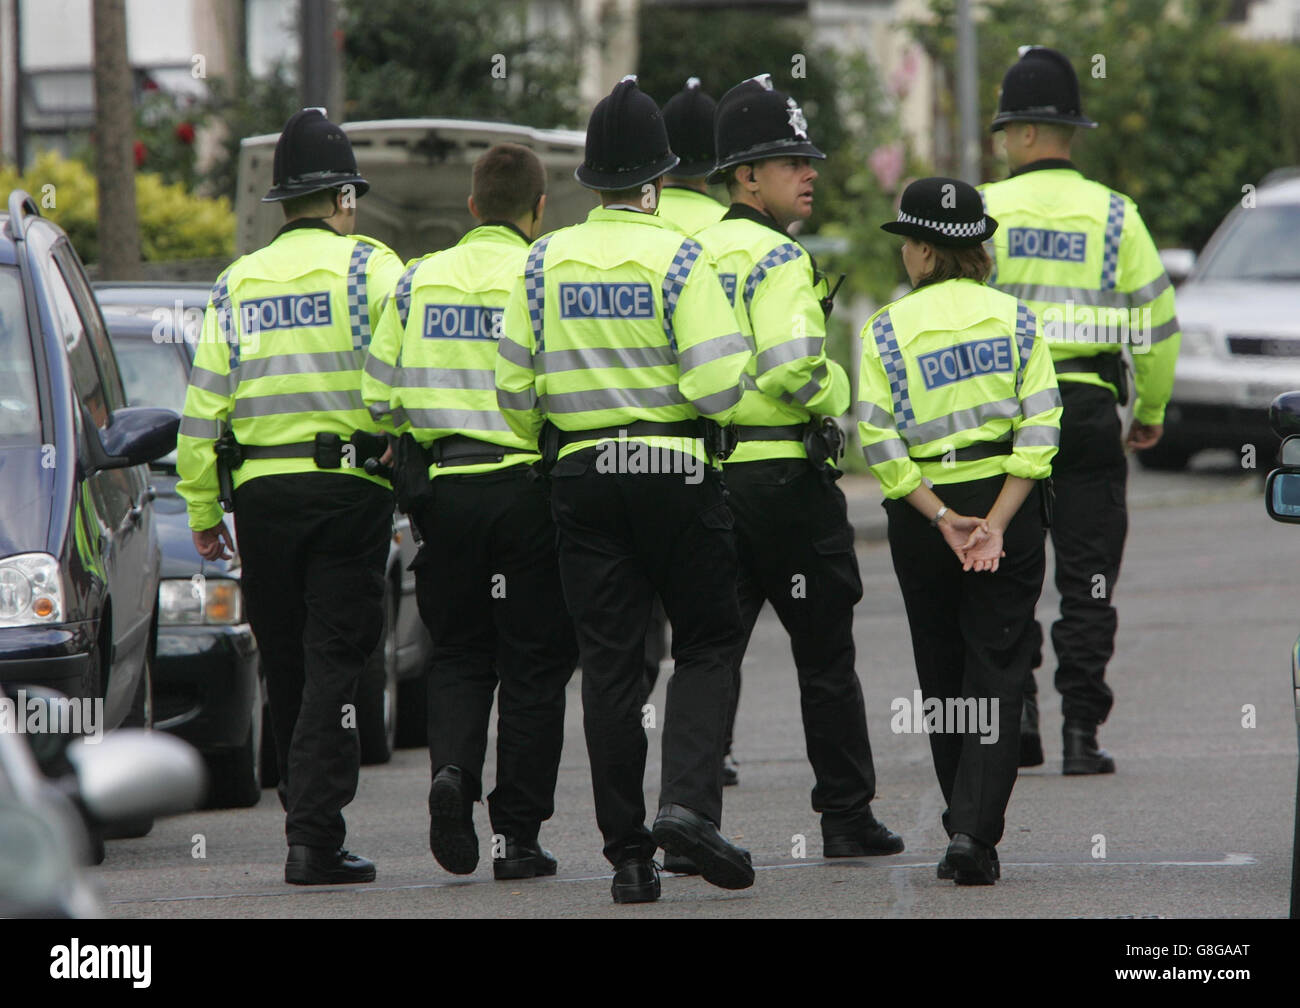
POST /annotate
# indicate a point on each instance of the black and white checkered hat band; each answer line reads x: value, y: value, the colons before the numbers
x: 951, y: 230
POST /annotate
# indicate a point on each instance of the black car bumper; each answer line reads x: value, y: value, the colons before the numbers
x: 205, y: 683
x: 54, y: 656
x: 1199, y: 425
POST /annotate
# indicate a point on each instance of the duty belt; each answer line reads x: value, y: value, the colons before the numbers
x: 791, y: 432
x: 637, y: 428
x: 971, y: 453
x: 299, y: 449
x: 1108, y: 366
x: 459, y: 449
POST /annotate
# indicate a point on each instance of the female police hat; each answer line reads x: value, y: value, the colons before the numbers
x: 312, y: 154
x: 1040, y: 87
x: 755, y: 121
x: 688, y: 115
x: 942, y: 211
x: 627, y: 143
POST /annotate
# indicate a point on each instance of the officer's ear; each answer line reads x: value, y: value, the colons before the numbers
x: 538, y: 210
x: 472, y: 207
x: 747, y: 180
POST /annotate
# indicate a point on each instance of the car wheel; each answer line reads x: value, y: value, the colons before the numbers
x: 413, y: 711
x: 270, y: 765
x: 235, y: 777
x: 1166, y: 456
x: 377, y: 715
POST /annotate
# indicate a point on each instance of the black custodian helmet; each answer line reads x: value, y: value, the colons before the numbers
x: 688, y: 116
x: 756, y: 121
x: 627, y: 143
x: 1040, y: 87
x: 312, y: 154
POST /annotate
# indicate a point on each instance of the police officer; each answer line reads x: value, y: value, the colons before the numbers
x: 960, y: 419
x: 793, y: 532
x: 619, y: 335
x: 1079, y: 255
x: 487, y: 582
x: 278, y: 369
x: 685, y: 201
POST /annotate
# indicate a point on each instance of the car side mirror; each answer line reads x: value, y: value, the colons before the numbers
x: 135, y: 774
x: 1284, y: 415
x: 1178, y: 263
x: 135, y: 435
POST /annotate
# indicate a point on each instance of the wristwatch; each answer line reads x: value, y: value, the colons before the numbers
x: 939, y: 516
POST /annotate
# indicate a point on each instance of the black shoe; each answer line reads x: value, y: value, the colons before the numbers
x: 972, y: 862
x: 679, y: 865
x: 522, y: 861
x: 1031, y: 743
x: 875, y: 840
x: 636, y: 880
x: 730, y: 771
x: 451, y: 823
x: 679, y: 830
x: 1082, y: 756
x: 948, y: 872
x: 323, y: 866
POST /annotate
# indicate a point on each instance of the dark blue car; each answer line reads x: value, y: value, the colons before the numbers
x: 79, y: 556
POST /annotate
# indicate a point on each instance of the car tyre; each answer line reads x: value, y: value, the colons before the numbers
x: 1167, y: 456
x: 377, y: 715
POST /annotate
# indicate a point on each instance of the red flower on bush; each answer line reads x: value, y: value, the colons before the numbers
x: 185, y: 132
x: 140, y: 153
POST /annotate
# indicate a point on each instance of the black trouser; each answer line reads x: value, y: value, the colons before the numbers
x: 623, y: 538
x: 314, y: 547
x: 972, y: 637
x: 488, y: 589
x: 796, y: 551
x: 656, y: 644
x: 1089, y: 525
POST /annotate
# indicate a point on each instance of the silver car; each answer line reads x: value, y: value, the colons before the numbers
x: 1240, y: 315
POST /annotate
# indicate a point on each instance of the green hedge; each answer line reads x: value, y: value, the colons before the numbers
x: 174, y: 224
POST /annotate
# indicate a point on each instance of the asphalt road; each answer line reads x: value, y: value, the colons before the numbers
x: 1196, y: 822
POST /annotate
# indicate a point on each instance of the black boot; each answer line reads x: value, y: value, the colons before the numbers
x: 1031, y: 743
x: 1082, y: 756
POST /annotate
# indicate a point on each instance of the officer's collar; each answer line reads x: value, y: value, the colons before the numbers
x: 508, y: 225
x: 627, y: 213
x: 306, y: 222
x: 1043, y: 164
x: 690, y: 189
x: 743, y: 211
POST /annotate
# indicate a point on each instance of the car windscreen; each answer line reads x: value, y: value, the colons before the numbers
x: 1260, y: 245
x: 19, y: 417
x: 153, y: 373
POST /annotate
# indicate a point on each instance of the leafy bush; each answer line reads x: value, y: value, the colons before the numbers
x: 174, y: 224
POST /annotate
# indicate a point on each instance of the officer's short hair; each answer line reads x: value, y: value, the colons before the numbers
x: 508, y: 181
x: 971, y: 263
x: 317, y: 204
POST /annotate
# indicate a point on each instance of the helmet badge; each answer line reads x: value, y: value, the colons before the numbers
x: 797, y: 121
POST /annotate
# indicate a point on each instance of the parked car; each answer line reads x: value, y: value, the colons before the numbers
x: 79, y: 556
x: 1282, y: 501
x: 207, y: 680
x: 1239, y: 309
x: 58, y: 794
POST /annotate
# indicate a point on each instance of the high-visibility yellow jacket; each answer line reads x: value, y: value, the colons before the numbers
x: 1080, y: 256
x: 280, y: 358
x: 951, y: 365
x: 689, y: 210
x: 617, y: 319
x: 775, y: 293
x: 432, y: 364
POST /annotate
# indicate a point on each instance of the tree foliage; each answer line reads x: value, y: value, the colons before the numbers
x: 1189, y: 112
x: 447, y: 58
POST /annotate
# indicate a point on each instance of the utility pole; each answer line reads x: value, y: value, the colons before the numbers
x: 967, y: 102
x: 119, y: 227
x: 320, y: 73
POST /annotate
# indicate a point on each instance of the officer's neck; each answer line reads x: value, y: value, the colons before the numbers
x: 693, y: 184
x: 755, y: 203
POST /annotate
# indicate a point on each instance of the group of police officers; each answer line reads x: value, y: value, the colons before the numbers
x: 639, y: 412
